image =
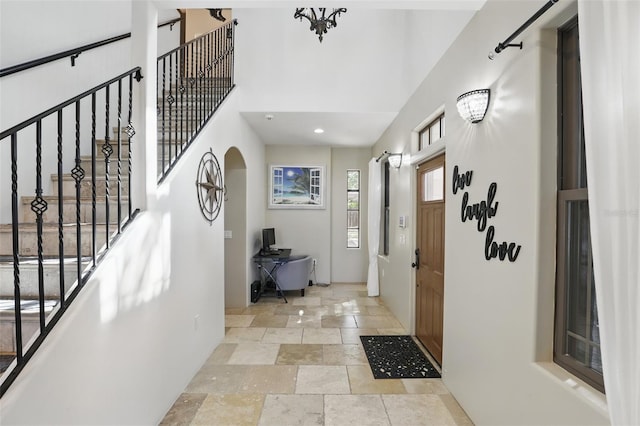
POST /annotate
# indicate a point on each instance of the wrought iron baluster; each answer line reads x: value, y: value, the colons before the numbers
x: 164, y: 73
x: 201, y: 106
x: 233, y: 51
x: 177, y: 121
x: 202, y: 75
x: 223, y: 64
x: 192, y: 98
x: 39, y: 206
x: 183, y: 103
x: 107, y: 150
x: 229, y: 51
x: 220, y: 67
x: 119, y: 157
x: 209, y: 75
x: 214, y: 71
x: 16, y: 256
x: 78, y: 174
x: 93, y: 179
x: 170, y: 100
x: 60, y: 213
x: 130, y: 132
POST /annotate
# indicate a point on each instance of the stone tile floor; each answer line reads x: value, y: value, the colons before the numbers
x: 302, y: 363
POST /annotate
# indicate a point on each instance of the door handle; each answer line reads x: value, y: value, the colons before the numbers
x: 416, y: 264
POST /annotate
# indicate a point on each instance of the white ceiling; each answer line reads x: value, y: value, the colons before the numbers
x: 347, y: 129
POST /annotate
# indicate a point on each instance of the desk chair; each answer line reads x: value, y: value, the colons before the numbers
x: 294, y: 275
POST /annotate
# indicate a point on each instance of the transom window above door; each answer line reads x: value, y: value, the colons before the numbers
x: 432, y: 132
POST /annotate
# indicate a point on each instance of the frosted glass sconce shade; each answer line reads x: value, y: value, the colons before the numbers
x: 472, y: 106
x: 395, y: 160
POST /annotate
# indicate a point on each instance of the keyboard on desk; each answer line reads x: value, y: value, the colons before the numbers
x: 276, y: 252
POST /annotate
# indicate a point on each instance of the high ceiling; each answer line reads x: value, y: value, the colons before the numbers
x: 354, y: 83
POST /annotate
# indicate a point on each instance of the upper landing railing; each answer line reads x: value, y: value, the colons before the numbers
x: 193, y: 80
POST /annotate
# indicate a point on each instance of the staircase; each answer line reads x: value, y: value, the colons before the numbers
x: 94, y: 207
x: 178, y: 120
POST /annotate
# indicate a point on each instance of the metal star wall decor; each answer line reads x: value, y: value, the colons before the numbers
x: 209, y: 186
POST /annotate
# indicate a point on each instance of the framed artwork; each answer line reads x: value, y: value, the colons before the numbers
x: 296, y: 187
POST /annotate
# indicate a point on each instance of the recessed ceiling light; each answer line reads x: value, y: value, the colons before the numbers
x: 269, y: 117
x: 318, y: 130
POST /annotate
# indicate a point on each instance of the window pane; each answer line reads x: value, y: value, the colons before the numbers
x: 353, y: 238
x: 578, y: 267
x: 577, y: 349
x: 353, y: 180
x: 353, y: 219
x: 424, y: 138
x: 595, y: 359
x: 353, y: 200
x: 435, y: 131
x: 433, y: 185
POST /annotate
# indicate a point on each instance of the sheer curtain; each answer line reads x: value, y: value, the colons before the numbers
x: 373, y: 231
x: 610, y: 66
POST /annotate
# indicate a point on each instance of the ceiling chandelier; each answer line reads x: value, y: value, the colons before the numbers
x: 322, y: 24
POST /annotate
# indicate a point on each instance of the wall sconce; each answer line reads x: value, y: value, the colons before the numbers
x: 472, y: 106
x: 395, y: 160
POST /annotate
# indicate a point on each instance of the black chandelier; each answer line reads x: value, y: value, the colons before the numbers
x: 322, y: 24
x: 217, y: 14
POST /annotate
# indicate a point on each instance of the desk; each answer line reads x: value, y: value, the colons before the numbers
x: 268, y: 265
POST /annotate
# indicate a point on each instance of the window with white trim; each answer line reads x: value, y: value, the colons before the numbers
x: 577, y: 336
x: 353, y: 208
x: 432, y: 132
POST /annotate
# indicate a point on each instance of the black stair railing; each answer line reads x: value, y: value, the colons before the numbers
x: 91, y: 135
x: 193, y: 80
x: 91, y: 184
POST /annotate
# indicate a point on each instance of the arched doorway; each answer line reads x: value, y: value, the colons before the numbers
x: 235, y: 234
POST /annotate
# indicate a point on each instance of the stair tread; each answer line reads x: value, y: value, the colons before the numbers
x: 26, y: 198
x: 98, y: 176
x: 5, y: 226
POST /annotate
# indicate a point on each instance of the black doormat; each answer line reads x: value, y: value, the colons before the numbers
x: 397, y: 357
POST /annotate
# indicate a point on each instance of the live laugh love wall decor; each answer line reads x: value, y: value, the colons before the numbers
x: 482, y: 212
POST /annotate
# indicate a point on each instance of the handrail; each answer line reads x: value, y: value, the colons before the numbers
x: 135, y: 72
x: 72, y: 53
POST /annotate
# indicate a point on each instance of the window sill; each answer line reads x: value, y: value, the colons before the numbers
x: 582, y: 390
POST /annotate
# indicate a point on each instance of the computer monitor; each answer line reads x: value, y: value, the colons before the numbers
x: 268, y: 238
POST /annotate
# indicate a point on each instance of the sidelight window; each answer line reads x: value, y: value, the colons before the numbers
x: 353, y: 208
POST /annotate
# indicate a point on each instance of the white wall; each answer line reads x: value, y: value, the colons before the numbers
x: 498, y: 336
x: 305, y: 231
x: 322, y: 233
x: 235, y: 223
x: 348, y: 265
